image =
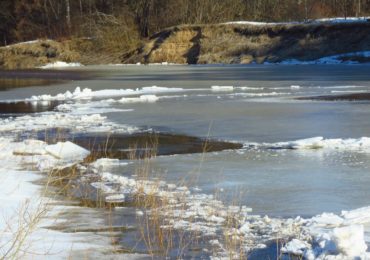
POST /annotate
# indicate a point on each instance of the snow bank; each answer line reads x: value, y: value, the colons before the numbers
x: 362, y: 144
x: 61, y: 64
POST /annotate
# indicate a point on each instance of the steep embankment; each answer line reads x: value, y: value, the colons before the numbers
x: 247, y: 43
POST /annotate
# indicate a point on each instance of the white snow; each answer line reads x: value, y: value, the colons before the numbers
x: 61, y: 64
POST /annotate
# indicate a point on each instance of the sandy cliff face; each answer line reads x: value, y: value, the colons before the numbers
x: 208, y: 44
x: 247, y: 43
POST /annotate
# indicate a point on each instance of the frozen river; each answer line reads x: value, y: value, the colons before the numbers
x: 277, y: 172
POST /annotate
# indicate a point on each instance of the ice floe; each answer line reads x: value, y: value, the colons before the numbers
x: 67, y: 151
x: 141, y: 99
x: 75, y: 123
x: 87, y: 93
x: 319, y: 142
x: 222, y: 88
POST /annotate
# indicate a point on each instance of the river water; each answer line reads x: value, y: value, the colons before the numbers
x: 260, y: 108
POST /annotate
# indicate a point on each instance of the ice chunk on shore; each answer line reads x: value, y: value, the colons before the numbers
x: 67, y: 151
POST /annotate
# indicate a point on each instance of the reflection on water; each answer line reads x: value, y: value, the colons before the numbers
x: 8, y: 83
x: 137, y: 145
x: 25, y: 107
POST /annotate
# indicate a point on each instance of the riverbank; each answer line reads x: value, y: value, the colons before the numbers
x: 316, y: 42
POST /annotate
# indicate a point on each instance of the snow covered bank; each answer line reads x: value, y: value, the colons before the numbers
x: 25, y: 210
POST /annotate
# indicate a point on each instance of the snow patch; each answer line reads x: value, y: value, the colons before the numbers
x: 61, y: 64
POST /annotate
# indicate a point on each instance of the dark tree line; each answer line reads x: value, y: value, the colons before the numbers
x: 22, y: 20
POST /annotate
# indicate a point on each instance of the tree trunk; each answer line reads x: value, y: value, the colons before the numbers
x: 68, y: 15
